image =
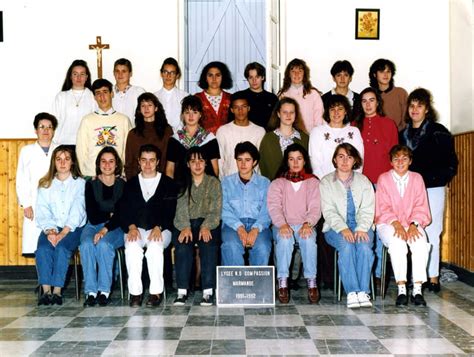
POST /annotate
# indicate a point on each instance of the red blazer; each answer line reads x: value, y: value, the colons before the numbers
x: 212, y: 121
x: 390, y: 206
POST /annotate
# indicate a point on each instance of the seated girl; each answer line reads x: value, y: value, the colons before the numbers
x: 60, y: 213
x: 245, y: 219
x: 348, y: 205
x: 102, y: 235
x: 401, y: 213
x: 197, y: 220
x: 295, y: 207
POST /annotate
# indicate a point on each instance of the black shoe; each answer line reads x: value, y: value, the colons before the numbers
x: 90, y: 301
x: 180, y: 300
x: 418, y: 299
x: 103, y: 300
x: 56, y: 300
x: 206, y: 300
x: 402, y: 299
x: 154, y: 300
x: 45, y: 299
x: 434, y: 287
x: 135, y: 300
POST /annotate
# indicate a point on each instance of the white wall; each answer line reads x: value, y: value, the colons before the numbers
x: 462, y: 103
x: 42, y: 38
x: 413, y: 33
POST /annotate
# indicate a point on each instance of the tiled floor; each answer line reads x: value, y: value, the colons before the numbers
x: 445, y: 327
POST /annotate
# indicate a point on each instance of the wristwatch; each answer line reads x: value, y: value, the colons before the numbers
x: 415, y: 224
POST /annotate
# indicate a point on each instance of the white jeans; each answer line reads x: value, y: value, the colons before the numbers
x: 436, y: 197
x: 154, y: 258
x: 398, y: 250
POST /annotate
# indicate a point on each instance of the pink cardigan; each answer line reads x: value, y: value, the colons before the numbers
x: 311, y: 106
x: 285, y: 205
x: 390, y: 206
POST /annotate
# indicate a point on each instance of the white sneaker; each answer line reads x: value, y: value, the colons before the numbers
x: 352, y: 300
x: 364, y: 299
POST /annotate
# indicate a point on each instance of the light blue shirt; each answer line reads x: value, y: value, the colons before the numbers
x: 61, y: 205
x: 241, y: 200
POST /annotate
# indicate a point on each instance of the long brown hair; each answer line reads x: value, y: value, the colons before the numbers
x: 307, y: 86
x: 274, y: 121
x: 46, y: 180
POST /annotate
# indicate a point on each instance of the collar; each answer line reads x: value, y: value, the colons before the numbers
x: 116, y: 90
x: 107, y: 113
x: 399, y: 178
x: 350, y: 93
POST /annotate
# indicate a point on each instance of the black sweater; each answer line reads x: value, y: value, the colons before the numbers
x: 434, y: 157
x: 159, y: 210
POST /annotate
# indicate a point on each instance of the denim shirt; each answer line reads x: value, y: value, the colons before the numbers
x: 241, y: 200
x: 61, y: 205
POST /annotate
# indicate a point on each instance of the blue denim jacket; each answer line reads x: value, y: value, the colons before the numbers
x: 241, y: 200
x: 61, y: 205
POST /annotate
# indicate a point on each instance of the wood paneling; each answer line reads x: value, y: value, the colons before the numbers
x: 11, y: 215
x: 458, y: 240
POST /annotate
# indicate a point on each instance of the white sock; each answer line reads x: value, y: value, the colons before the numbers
x: 402, y: 289
x: 416, y: 289
x: 93, y: 294
x: 182, y: 292
x: 105, y: 294
x: 207, y: 292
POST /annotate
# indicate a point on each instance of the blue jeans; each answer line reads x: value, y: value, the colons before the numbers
x: 284, y: 250
x: 98, y: 259
x: 355, y: 261
x: 208, y: 253
x: 233, y: 251
x: 52, y: 262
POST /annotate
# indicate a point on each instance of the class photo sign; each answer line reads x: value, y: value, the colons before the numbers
x: 245, y: 286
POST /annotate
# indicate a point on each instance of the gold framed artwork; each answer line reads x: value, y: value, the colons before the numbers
x: 367, y: 24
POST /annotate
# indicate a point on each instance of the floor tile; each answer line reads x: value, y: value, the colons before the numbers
x: 194, y: 347
x: 340, y: 332
x: 86, y: 334
x: 228, y: 347
x: 280, y: 347
x: 27, y: 334
x: 12, y: 348
x: 40, y: 322
x: 383, y: 332
x: 74, y: 348
x: 149, y: 333
x: 390, y: 320
x: 273, y: 320
x: 420, y: 346
x: 146, y: 348
x: 160, y: 320
x: 229, y: 333
x: 15, y: 311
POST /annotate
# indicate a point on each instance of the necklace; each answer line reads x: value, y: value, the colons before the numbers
x: 78, y: 101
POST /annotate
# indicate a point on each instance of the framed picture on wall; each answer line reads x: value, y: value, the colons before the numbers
x: 367, y: 24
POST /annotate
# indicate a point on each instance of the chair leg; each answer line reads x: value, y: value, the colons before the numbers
x: 335, y: 281
x: 372, y: 287
x: 76, y: 274
x: 119, y: 259
x: 384, y: 272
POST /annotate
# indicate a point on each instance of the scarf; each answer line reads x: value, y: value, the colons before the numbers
x: 196, y: 140
x: 286, y: 141
x: 412, y: 136
x: 296, y: 176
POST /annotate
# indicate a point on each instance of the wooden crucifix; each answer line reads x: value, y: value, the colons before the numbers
x: 98, y: 46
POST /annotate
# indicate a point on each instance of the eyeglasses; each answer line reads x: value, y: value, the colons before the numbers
x: 168, y: 73
x: 44, y: 127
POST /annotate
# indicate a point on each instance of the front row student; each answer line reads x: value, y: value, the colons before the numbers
x: 348, y: 205
x: 147, y: 209
x: 60, y: 213
x: 402, y: 213
x: 245, y: 219
x: 295, y: 208
x: 197, y: 220
x: 102, y: 234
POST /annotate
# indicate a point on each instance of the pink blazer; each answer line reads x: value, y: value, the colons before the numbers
x: 390, y: 206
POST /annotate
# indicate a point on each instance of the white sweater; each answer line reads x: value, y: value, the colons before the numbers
x: 324, y: 139
x: 228, y: 136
